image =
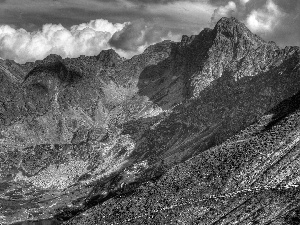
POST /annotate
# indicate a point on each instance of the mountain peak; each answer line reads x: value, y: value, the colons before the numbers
x: 234, y: 29
x: 109, y: 57
x: 227, y: 20
x: 226, y: 23
x: 108, y: 53
x: 52, y: 58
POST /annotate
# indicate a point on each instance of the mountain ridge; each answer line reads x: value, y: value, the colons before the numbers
x: 89, y: 129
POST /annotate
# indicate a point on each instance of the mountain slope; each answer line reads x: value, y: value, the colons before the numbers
x: 77, y: 132
x: 252, y: 178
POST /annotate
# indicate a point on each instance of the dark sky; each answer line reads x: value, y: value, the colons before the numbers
x: 32, y: 29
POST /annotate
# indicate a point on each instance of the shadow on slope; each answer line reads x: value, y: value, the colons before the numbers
x: 283, y: 109
x: 169, y: 82
x: 57, y: 69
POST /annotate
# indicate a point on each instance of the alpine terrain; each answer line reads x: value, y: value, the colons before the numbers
x: 201, y: 131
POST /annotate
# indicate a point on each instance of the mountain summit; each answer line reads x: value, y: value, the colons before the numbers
x: 201, y: 131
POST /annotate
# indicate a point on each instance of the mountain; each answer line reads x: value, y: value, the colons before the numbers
x: 199, y: 131
x: 251, y: 178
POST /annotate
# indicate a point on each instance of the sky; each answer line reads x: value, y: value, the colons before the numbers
x: 33, y: 29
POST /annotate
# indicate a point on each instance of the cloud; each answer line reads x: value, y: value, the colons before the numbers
x: 144, y: 2
x: 33, y: 14
x: 132, y: 36
x: 223, y: 11
x: 136, y: 36
x: 264, y: 19
x: 48, y: 26
x: 170, y: 19
x: 244, y: 2
x: 151, y: 22
x: 84, y: 39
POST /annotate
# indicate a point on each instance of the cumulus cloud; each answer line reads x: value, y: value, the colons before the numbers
x: 128, y: 38
x: 264, y: 19
x: 84, y: 39
x: 48, y: 26
x: 224, y: 11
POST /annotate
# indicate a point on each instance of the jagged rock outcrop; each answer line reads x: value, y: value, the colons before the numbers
x: 76, y: 133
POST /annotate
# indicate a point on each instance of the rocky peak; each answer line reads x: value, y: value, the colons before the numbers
x: 186, y: 40
x: 237, y: 33
x: 52, y: 58
x: 197, y: 60
x: 234, y: 29
x: 109, y: 57
x: 227, y: 24
x: 232, y: 48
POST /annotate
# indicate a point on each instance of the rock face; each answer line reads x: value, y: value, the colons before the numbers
x: 202, y: 131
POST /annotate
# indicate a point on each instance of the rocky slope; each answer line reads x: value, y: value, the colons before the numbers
x: 252, y: 178
x: 76, y: 133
